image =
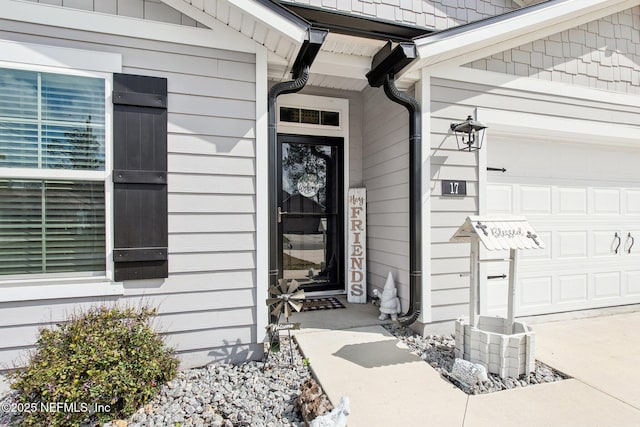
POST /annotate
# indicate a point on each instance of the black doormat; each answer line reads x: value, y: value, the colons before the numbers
x: 315, y: 304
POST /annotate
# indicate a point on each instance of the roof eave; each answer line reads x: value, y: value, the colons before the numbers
x: 263, y: 12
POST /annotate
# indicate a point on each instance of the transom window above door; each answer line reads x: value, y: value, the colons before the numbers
x: 309, y: 116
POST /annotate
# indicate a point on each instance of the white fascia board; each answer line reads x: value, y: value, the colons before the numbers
x: 64, y: 17
x: 497, y: 36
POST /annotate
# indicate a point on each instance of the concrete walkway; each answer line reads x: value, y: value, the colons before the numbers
x: 389, y: 386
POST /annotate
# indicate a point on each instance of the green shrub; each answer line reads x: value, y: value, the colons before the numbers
x: 104, y: 364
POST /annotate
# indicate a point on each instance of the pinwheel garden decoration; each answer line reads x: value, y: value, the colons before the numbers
x: 284, y: 297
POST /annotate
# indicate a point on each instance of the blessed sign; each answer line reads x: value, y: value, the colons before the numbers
x: 357, y: 264
x: 498, y: 233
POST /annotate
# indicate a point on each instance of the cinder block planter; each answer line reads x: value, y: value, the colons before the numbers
x: 505, y: 351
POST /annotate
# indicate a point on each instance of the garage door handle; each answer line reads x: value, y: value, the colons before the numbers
x: 619, y: 241
x: 499, y: 276
x: 629, y: 236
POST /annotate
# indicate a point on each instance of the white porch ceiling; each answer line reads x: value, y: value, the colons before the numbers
x: 342, y: 63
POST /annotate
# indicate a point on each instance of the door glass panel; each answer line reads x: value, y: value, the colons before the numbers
x: 311, y: 222
x: 307, y: 178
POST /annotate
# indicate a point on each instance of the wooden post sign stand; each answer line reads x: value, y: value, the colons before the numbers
x: 504, y: 346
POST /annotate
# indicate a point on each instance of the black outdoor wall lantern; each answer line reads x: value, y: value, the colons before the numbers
x: 469, y: 134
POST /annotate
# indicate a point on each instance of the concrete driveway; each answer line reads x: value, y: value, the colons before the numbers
x: 601, y: 352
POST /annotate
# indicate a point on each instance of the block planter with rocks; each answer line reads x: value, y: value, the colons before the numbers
x: 489, y: 343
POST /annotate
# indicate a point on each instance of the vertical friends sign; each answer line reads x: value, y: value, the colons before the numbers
x: 356, y: 246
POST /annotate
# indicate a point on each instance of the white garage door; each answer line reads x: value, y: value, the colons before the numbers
x: 584, y: 202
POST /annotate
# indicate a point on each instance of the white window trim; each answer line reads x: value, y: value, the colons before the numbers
x: 51, y: 59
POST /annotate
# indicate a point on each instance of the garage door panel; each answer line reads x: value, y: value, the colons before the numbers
x: 535, y: 291
x: 572, y: 244
x: 604, y: 243
x: 573, y: 288
x: 632, y: 279
x: 606, y: 285
x: 605, y: 201
x: 540, y: 254
x: 571, y: 201
x: 632, y: 202
x: 535, y: 200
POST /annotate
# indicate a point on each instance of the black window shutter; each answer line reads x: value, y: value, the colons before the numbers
x: 140, y: 177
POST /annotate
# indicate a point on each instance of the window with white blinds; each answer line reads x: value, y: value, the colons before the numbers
x: 53, y: 221
x: 51, y: 121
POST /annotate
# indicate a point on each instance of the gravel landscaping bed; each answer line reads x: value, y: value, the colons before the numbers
x: 438, y: 352
x: 252, y: 394
x: 223, y: 395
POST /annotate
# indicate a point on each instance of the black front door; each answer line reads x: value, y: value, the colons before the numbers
x: 310, y: 212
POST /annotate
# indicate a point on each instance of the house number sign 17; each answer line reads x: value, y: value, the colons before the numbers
x: 454, y: 188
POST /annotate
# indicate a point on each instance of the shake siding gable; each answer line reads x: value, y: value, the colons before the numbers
x: 602, y: 54
x: 207, y: 305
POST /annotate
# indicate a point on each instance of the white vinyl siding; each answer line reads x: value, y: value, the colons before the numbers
x: 207, y: 305
x: 385, y: 174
